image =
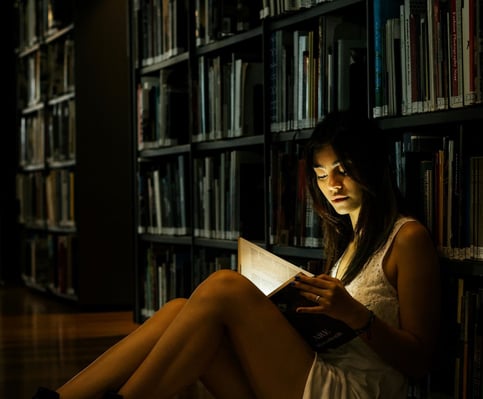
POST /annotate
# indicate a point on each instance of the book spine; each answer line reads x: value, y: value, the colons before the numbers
x: 379, y: 23
x: 468, y: 48
x: 431, y: 52
x: 479, y: 50
x: 407, y: 57
x: 456, y: 93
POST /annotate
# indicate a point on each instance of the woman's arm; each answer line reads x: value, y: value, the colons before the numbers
x: 413, y: 266
x: 413, y: 269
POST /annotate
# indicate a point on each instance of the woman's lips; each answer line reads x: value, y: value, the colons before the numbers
x: 339, y: 198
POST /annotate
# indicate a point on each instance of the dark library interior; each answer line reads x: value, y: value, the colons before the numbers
x: 141, y: 138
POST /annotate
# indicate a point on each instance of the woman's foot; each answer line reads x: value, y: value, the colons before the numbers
x: 45, y: 393
x: 112, y: 395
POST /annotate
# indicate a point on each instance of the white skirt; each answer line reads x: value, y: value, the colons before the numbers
x: 353, y: 371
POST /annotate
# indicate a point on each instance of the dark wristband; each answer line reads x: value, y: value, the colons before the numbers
x: 367, y: 327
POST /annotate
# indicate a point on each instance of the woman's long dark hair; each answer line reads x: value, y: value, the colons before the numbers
x: 362, y: 150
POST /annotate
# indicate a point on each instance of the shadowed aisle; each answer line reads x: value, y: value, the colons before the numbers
x: 44, y: 342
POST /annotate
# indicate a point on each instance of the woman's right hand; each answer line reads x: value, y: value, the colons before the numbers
x: 331, y: 298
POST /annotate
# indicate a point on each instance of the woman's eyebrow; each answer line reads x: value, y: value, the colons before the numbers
x: 334, y: 164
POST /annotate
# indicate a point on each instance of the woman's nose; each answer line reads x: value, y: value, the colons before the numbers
x: 334, y: 184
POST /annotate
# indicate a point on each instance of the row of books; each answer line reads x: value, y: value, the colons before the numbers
x: 311, y: 72
x: 61, y: 130
x: 442, y: 183
x: 230, y: 93
x: 60, y: 67
x: 32, y: 79
x: 468, y: 372
x: 228, y: 195
x: 47, y: 134
x: 159, y: 99
x: 37, y: 19
x: 428, y: 56
x: 272, y: 8
x: 46, y: 200
x: 50, y: 263
x: 47, y: 74
x: 162, y: 29
x: 293, y: 221
x: 168, y: 270
x: 315, y: 71
x: 32, y: 140
x: 162, y: 198
x: 30, y: 195
x: 162, y: 23
x: 217, y: 19
x: 59, y: 190
x: 164, y: 277
x: 476, y: 207
x: 441, y: 187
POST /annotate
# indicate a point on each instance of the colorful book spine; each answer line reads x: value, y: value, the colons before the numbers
x: 383, y: 10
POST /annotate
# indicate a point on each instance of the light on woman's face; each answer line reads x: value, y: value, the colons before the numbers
x: 342, y: 192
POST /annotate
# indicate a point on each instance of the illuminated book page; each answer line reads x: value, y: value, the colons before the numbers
x: 266, y: 270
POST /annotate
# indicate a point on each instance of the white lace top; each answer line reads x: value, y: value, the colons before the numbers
x: 354, y: 370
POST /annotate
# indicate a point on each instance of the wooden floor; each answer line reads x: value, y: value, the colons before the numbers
x: 44, y: 342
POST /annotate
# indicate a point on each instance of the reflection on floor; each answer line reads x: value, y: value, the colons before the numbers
x: 45, y: 342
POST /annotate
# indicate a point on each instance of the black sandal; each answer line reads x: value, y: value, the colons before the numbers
x: 112, y: 395
x: 45, y: 393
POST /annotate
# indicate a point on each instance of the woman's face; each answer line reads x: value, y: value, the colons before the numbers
x: 342, y: 192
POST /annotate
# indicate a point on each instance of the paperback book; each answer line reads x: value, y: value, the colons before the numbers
x: 273, y: 276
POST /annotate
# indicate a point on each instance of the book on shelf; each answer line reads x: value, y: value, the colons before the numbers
x: 456, y: 54
x: 251, y: 95
x: 441, y: 72
x: 351, y: 73
x: 394, y: 62
x: 437, y: 54
x: 469, y: 22
x: 273, y: 276
x: 476, y: 207
x: 383, y: 10
x: 173, y: 96
x: 157, y: 186
x: 415, y: 28
x: 148, y: 95
x: 468, y: 334
x: 418, y: 172
x: 344, y: 58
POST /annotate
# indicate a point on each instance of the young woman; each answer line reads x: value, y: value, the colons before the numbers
x: 382, y: 280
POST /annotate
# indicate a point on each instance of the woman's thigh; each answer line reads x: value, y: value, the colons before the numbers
x: 272, y: 355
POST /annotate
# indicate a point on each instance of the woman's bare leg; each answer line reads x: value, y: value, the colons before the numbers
x: 245, y: 346
x: 225, y: 377
x: 226, y: 306
x: 115, y: 366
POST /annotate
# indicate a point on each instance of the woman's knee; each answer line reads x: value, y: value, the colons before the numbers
x: 176, y: 303
x: 169, y: 310
x: 226, y: 283
x: 227, y: 278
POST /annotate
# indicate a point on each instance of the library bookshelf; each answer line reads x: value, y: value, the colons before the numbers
x: 73, y: 170
x: 226, y: 161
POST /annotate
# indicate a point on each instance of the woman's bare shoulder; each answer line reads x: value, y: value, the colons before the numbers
x: 414, y: 241
x: 413, y: 233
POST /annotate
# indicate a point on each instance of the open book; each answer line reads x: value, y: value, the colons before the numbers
x: 273, y: 275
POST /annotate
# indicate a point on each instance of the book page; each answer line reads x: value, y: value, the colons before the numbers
x: 263, y: 268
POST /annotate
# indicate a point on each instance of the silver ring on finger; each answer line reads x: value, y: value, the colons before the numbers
x: 317, y: 298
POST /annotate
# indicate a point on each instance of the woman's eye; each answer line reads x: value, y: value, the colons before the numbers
x: 321, y: 177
